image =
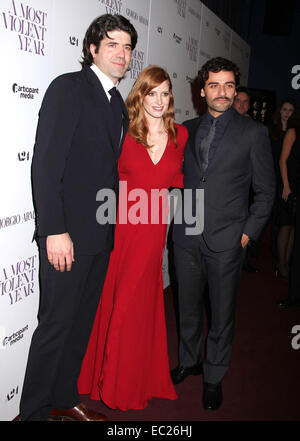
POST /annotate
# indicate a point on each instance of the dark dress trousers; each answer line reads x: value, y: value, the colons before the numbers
x: 239, y: 156
x: 75, y: 156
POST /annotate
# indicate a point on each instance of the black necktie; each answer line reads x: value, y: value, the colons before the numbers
x: 205, y: 145
x: 116, y: 106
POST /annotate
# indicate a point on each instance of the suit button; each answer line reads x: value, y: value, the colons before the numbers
x: 203, y: 179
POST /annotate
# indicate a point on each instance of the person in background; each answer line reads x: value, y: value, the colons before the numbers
x: 290, y: 172
x: 241, y: 104
x: 82, y: 124
x: 241, y: 101
x: 282, y: 220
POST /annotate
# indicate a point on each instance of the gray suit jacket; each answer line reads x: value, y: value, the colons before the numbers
x: 243, y: 158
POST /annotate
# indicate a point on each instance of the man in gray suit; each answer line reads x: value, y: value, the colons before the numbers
x: 225, y: 154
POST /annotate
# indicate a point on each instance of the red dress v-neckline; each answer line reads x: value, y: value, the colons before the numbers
x: 161, y: 155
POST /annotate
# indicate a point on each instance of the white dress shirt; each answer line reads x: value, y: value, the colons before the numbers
x: 106, y: 82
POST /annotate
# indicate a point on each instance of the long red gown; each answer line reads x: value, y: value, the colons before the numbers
x: 126, y: 363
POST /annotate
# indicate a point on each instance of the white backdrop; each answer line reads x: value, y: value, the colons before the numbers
x: 40, y: 39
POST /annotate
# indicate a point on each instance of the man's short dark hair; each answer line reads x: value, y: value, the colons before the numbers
x: 217, y: 65
x: 243, y: 89
x: 98, y: 30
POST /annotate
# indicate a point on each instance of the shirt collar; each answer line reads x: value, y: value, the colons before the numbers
x: 223, y: 119
x: 106, y: 82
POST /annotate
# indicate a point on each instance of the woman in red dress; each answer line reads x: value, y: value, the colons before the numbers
x: 126, y: 363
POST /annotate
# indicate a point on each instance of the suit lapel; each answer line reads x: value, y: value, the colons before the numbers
x: 192, y: 138
x: 232, y: 129
x: 107, y: 114
x: 125, y: 122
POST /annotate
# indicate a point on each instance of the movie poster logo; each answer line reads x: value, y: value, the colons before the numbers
x: 18, y: 280
x: 12, y: 394
x: 112, y: 6
x: 181, y: 7
x: 23, y: 156
x: 192, y: 48
x: 177, y: 38
x: 9, y: 221
x: 133, y: 15
x: 137, y: 63
x: 16, y: 219
x: 29, y: 24
x: 73, y: 41
x: 25, y: 92
x: 8, y: 341
x: 194, y: 13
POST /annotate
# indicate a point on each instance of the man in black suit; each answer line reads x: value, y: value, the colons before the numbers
x: 241, y: 104
x: 82, y: 124
x: 225, y: 154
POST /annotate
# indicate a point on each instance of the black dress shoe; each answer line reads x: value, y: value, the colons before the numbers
x: 180, y: 373
x: 77, y: 413
x: 212, y: 396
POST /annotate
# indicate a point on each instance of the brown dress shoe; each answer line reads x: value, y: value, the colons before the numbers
x: 77, y: 413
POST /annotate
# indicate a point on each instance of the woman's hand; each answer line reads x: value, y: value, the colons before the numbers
x: 285, y: 192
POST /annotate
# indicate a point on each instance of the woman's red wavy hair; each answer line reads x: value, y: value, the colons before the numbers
x: 151, y: 77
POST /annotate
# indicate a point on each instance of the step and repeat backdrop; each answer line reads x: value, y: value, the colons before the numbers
x: 39, y: 40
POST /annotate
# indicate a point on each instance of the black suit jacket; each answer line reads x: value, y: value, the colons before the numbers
x: 243, y: 158
x: 75, y: 156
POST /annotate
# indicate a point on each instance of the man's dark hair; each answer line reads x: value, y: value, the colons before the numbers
x: 243, y: 89
x: 98, y: 30
x: 216, y: 65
